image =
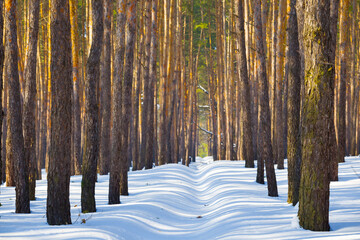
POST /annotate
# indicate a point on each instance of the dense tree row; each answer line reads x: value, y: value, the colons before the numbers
x: 99, y: 86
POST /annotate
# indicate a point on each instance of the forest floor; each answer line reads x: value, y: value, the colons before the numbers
x: 209, y: 200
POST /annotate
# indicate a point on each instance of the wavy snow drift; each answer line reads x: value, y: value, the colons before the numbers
x: 209, y: 200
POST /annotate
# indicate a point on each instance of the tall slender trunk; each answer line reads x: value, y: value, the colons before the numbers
x: 343, y: 51
x: 2, y: 55
x: 76, y: 128
x: 105, y: 86
x: 116, y: 104
x: 293, y: 137
x: 126, y: 94
x: 91, y: 148
x: 15, y: 142
x: 244, y: 92
x: 266, y: 153
x: 29, y: 118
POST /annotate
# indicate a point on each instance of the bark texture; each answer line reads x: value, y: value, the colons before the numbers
x: 126, y: 94
x: 58, y: 204
x: 2, y: 55
x: 316, y: 113
x: 30, y: 96
x: 244, y: 92
x: 343, y: 52
x: 91, y: 148
x: 105, y: 86
x: 266, y: 153
x: 114, y: 182
x: 15, y: 141
x: 293, y: 137
x: 76, y: 128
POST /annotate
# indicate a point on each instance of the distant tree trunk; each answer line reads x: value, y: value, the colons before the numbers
x: 147, y: 128
x: 105, y: 86
x: 29, y: 119
x: 58, y: 205
x: 2, y: 55
x: 126, y: 94
x: 265, y: 121
x: 316, y: 113
x: 244, y: 91
x: 76, y: 128
x: 15, y: 142
x: 116, y: 104
x: 281, y: 44
x: 293, y: 137
x: 343, y: 51
x: 91, y: 148
x: 336, y: 158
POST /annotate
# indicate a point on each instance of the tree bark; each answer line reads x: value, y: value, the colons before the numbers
x: 15, y: 142
x: 105, y: 86
x: 116, y: 104
x: 2, y: 55
x: 265, y: 121
x: 91, y: 148
x: 316, y: 113
x: 343, y: 51
x: 293, y: 137
x: 244, y: 91
x: 29, y: 119
x: 126, y: 95
x: 58, y: 204
x: 76, y: 128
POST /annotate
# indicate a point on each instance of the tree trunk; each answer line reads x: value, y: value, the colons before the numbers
x: 244, y: 91
x: 76, y: 128
x: 126, y: 95
x: 343, y: 51
x: 116, y: 142
x: 147, y: 128
x: 316, y: 113
x: 105, y: 86
x: 15, y: 142
x: 293, y: 137
x: 58, y: 204
x: 2, y: 55
x: 265, y: 121
x: 29, y: 119
x: 91, y: 148
x: 334, y: 146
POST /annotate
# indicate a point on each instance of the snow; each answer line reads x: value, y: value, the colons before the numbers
x: 208, y: 200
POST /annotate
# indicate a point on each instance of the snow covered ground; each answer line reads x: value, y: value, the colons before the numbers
x: 209, y: 200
